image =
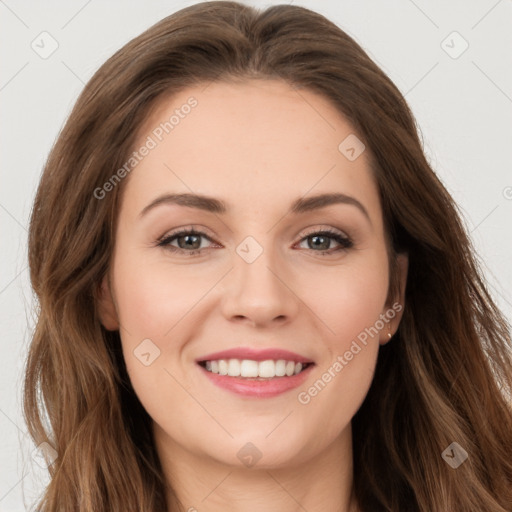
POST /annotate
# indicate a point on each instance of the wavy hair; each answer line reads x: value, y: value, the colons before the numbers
x: 445, y: 377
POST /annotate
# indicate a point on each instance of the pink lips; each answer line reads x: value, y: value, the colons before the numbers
x: 255, y: 355
x: 257, y: 387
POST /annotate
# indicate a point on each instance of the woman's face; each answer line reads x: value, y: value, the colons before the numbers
x: 262, y: 275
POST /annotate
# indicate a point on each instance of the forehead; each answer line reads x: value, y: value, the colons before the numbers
x: 256, y: 143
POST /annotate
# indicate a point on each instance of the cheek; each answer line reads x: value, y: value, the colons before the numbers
x: 349, y: 305
x: 347, y: 300
x: 158, y: 302
x: 336, y: 393
x: 152, y: 298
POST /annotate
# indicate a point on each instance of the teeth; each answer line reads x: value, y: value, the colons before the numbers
x: 281, y: 368
x: 223, y: 367
x: 249, y: 368
x: 233, y: 367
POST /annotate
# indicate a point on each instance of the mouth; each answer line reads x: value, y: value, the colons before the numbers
x: 251, y: 379
x: 255, y: 373
x: 249, y: 369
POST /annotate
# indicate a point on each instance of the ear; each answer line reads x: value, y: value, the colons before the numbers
x: 395, y: 310
x: 106, y: 306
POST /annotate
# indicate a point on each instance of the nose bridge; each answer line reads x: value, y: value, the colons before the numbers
x: 256, y: 288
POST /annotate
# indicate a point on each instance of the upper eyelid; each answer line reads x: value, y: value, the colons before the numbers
x: 203, y: 232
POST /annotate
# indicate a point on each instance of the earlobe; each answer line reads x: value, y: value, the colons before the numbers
x: 398, y: 305
x: 106, y: 307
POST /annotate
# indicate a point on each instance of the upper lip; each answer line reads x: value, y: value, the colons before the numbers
x: 255, y: 355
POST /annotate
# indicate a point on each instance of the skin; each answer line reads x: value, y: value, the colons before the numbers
x: 258, y: 145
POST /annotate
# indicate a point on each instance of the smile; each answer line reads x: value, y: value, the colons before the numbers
x: 249, y: 368
x: 256, y: 379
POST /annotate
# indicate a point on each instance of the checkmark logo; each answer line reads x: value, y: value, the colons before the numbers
x: 45, y: 45
x: 249, y: 455
x: 454, y: 455
x: 249, y: 249
x: 146, y: 352
x: 454, y: 45
x: 351, y: 147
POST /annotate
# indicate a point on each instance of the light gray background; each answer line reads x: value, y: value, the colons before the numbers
x: 463, y: 106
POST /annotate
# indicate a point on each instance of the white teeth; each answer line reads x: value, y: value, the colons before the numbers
x: 233, y: 367
x: 223, y: 367
x: 249, y: 368
x: 280, y: 368
x: 267, y: 369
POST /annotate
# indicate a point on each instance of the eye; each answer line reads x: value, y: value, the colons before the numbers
x: 189, y: 241
x: 322, y: 240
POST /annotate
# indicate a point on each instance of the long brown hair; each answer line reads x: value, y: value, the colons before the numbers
x: 445, y: 377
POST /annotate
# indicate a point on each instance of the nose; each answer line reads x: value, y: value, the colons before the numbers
x: 260, y: 293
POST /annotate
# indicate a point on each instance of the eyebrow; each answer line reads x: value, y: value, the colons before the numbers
x: 213, y: 205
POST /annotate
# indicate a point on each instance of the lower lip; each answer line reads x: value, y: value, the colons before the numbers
x: 257, y: 388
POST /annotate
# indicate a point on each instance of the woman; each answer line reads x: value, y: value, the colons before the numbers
x: 255, y: 294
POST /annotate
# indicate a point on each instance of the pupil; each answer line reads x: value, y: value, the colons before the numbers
x: 189, y: 245
x: 325, y: 244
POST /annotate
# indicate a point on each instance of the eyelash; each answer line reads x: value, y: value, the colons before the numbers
x: 345, y: 242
